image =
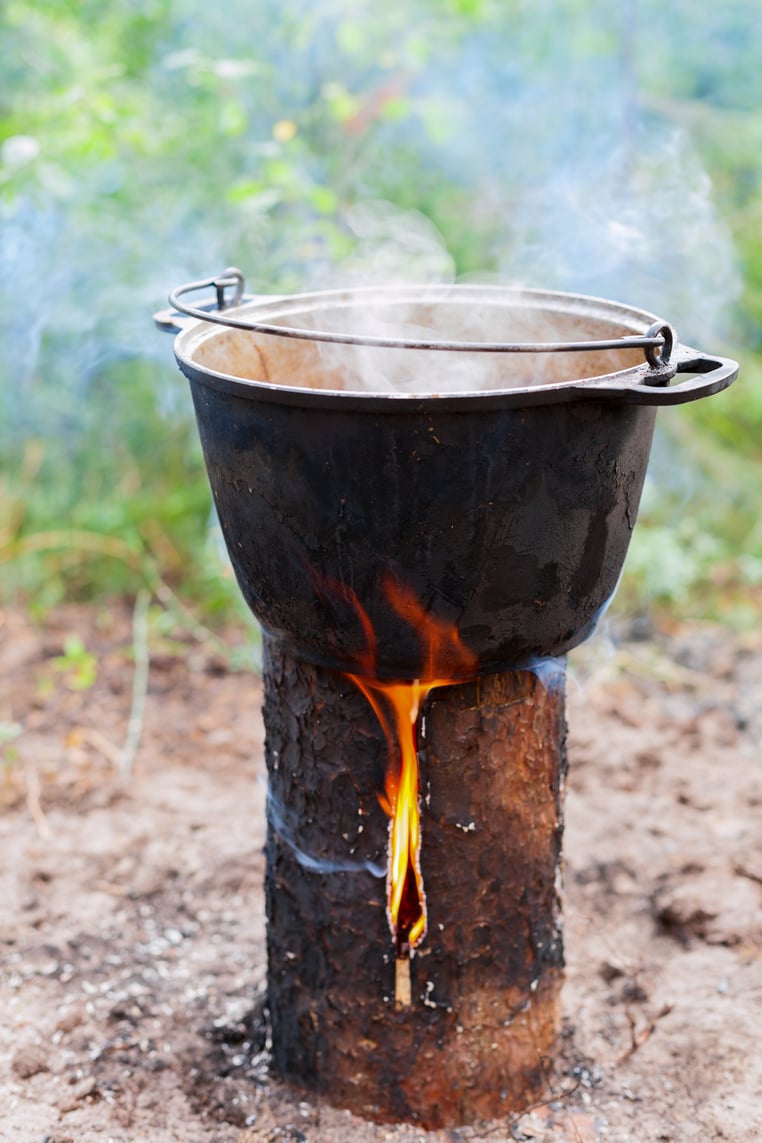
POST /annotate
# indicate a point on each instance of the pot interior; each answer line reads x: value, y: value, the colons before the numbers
x: 454, y: 313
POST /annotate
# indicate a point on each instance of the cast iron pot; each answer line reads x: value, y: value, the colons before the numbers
x: 499, y: 488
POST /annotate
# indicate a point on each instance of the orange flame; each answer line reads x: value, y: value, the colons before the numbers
x: 397, y: 706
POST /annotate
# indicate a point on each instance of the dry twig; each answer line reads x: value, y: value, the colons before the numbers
x: 638, y: 1039
x: 102, y: 744
x: 139, y: 682
x: 749, y: 874
x: 32, y: 781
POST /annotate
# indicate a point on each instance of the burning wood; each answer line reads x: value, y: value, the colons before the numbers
x: 460, y: 1029
x: 397, y: 706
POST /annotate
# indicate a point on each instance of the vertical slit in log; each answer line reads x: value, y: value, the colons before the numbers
x: 472, y: 1039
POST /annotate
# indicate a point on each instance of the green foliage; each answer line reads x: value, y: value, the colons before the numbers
x: 154, y: 142
x: 698, y: 544
x: 77, y: 665
x: 9, y: 731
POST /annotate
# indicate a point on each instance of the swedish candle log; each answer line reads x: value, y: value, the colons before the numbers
x: 475, y: 1040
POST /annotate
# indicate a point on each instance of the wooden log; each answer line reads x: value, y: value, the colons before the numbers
x: 475, y: 1041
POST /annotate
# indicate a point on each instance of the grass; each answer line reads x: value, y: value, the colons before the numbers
x: 123, y: 511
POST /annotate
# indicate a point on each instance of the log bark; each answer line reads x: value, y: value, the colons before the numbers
x: 485, y: 983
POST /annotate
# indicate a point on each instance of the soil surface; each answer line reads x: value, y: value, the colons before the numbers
x: 132, y: 967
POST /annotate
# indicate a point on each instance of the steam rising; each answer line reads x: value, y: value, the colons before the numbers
x: 393, y: 245
x: 639, y: 225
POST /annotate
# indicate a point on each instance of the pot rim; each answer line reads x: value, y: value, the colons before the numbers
x: 641, y: 384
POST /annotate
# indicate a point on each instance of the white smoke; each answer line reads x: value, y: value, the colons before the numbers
x: 282, y: 821
x: 393, y: 246
x: 639, y: 227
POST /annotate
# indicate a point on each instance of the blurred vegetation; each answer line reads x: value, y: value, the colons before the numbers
x: 155, y: 142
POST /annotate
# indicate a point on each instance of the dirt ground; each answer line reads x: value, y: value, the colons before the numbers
x: 131, y: 908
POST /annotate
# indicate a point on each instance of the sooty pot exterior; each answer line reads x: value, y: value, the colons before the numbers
x: 512, y: 524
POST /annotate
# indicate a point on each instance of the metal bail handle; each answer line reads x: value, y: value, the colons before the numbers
x: 231, y: 277
x: 173, y: 321
x: 657, y: 343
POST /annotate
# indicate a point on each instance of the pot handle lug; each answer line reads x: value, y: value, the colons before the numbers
x: 713, y: 374
x: 171, y: 321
